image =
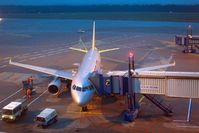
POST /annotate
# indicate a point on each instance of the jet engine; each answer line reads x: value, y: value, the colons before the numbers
x: 55, y: 86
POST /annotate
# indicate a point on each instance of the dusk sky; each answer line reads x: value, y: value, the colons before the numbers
x: 94, y: 2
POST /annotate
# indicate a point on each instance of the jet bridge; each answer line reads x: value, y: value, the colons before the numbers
x: 150, y: 85
x: 171, y: 86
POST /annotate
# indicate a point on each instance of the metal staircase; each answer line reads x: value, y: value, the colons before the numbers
x: 167, y: 109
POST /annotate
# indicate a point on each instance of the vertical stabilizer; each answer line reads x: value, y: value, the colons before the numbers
x: 93, y: 43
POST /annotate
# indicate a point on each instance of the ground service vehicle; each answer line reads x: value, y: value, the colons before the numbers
x: 14, y: 110
x: 46, y: 117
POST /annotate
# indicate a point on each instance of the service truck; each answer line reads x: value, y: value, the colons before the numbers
x: 14, y: 110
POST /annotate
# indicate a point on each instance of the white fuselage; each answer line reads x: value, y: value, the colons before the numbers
x: 81, y: 89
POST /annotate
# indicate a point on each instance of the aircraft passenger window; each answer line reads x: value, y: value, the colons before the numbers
x: 78, y: 88
x: 84, y: 88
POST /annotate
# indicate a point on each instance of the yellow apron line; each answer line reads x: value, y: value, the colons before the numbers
x: 141, y: 99
x: 86, y: 113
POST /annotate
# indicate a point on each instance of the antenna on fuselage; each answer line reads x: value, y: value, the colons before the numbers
x: 93, y: 43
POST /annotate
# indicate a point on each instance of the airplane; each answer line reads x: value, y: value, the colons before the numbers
x: 82, y: 90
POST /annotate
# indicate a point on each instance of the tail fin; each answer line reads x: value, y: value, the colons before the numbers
x: 93, y: 43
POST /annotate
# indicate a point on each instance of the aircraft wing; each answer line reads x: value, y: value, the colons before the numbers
x: 122, y: 73
x: 54, y: 72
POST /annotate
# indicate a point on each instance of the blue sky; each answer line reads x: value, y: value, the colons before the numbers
x: 91, y: 2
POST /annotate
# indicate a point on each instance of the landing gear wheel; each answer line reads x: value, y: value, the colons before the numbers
x: 84, y: 109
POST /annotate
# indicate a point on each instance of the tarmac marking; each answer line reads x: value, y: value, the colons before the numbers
x: 37, y: 98
x: 22, y: 60
x: 146, y: 55
x: 21, y: 57
x: 188, y: 126
x: 6, y: 58
x: 52, y: 49
x: 114, y: 60
x: 85, y: 113
x: 45, y: 50
x: 27, y: 54
x: 5, y: 61
x: 16, y: 56
x: 35, y: 52
x: 10, y: 96
x: 180, y: 121
x: 41, y: 56
x: 62, y: 50
x: 49, y: 54
x: 141, y: 99
x: 36, y: 57
x: 33, y: 58
x: 24, y: 55
x: 38, y: 54
x: 3, y: 66
x: 59, y: 52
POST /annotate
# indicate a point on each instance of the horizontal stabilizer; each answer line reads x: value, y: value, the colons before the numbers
x: 107, y: 50
x: 78, y: 49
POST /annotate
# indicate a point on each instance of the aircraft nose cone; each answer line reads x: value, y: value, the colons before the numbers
x: 79, y: 99
x: 82, y: 98
x: 81, y: 102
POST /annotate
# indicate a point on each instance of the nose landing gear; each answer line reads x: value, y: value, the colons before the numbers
x: 84, y: 109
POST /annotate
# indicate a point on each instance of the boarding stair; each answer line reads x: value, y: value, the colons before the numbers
x: 160, y: 103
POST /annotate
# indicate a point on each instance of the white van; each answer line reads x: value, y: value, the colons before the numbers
x: 46, y: 117
x: 14, y: 110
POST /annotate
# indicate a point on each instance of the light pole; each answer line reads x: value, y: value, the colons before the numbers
x: 131, y: 94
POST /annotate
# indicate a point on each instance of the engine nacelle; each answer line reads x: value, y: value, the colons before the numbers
x: 54, y: 86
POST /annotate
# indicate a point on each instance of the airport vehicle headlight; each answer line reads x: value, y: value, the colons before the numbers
x: 3, y: 116
x: 12, y: 117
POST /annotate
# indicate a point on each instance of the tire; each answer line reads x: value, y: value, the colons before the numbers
x: 24, y: 111
x: 55, y: 120
x: 43, y: 126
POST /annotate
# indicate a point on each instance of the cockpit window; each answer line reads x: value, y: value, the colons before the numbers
x: 90, y: 87
x: 74, y: 86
